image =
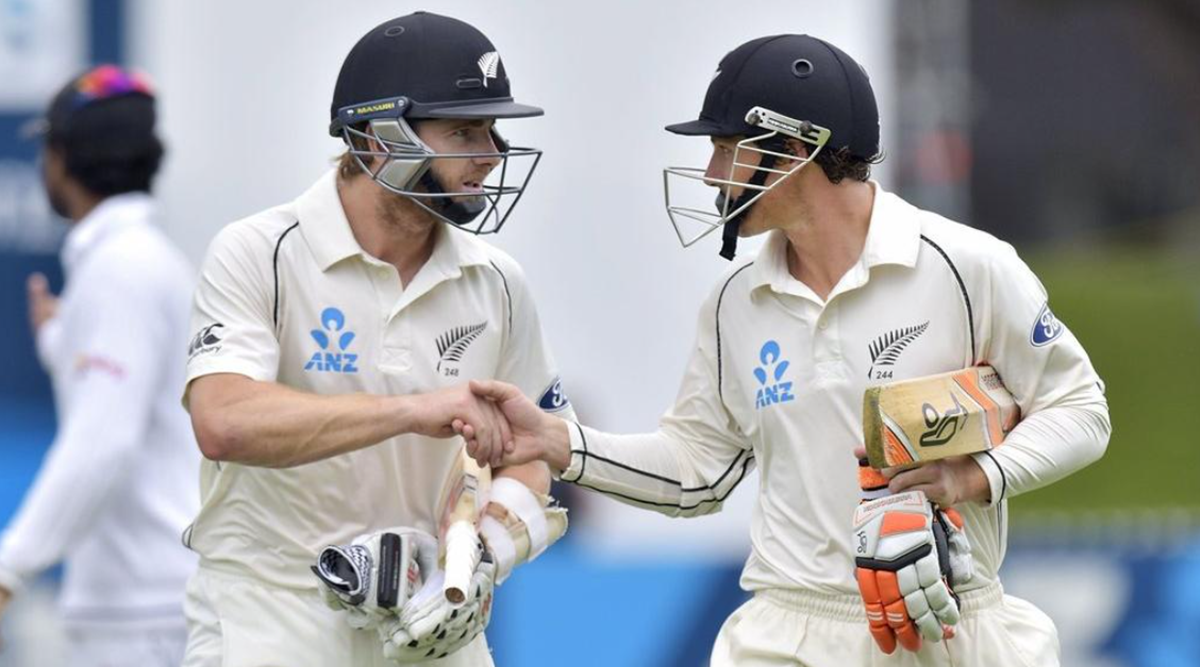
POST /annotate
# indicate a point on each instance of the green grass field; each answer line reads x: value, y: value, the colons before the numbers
x: 1138, y: 314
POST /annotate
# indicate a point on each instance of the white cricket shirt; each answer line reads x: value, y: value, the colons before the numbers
x: 289, y: 296
x: 117, y: 486
x: 777, y: 379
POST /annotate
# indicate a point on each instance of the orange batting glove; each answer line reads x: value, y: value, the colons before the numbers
x: 906, y: 550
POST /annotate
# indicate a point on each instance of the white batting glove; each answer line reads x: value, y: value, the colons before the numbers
x: 904, y: 548
x: 375, y: 575
x: 430, y: 627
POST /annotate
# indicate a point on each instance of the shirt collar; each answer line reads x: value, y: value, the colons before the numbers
x: 323, y: 223
x: 111, y: 214
x: 325, y: 227
x: 454, y: 250
x: 893, y: 237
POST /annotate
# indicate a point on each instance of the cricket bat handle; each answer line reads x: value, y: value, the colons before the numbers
x: 462, y: 539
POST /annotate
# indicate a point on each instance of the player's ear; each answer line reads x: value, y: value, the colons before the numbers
x: 368, y: 144
x: 53, y: 156
x: 54, y: 165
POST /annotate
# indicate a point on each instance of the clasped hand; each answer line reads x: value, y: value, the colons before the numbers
x: 500, y: 424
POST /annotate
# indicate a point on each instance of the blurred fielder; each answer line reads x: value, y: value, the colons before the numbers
x: 334, y: 336
x: 853, y: 287
x: 117, y: 486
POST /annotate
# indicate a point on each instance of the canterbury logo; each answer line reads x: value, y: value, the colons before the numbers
x: 489, y: 64
x: 886, y: 349
x: 207, y: 337
x: 453, y: 344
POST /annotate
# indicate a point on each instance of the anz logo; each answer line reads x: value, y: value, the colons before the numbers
x: 772, y: 389
x: 333, y: 357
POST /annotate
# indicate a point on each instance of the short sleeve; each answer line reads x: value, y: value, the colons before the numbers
x: 232, y: 319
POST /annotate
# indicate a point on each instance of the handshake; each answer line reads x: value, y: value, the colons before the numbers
x: 501, y: 426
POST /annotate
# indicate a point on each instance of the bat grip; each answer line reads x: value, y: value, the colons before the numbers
x: 462, y: 557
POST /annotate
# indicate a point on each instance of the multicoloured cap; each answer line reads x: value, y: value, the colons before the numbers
x: 108, y: 81
x: 102, y: 83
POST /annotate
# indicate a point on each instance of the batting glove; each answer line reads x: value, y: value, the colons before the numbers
x: 430, y: 627
x: 375, y: 575
x: 904, y: 555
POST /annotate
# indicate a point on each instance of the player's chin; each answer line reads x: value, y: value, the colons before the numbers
x: 752, y: 225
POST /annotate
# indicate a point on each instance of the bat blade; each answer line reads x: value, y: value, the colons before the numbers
x: 924, y: 419
x: 465, y: 503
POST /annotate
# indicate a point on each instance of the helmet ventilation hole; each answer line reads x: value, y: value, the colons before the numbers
x: 802, y: 68
x: 394, y: 31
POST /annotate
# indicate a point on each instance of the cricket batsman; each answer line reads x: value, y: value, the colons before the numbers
x: 334, y: 336
x: 854, y: 287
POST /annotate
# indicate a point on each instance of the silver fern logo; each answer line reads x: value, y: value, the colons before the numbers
x: 886, y: 349
x: 453, y: 344
x: 489, y: 64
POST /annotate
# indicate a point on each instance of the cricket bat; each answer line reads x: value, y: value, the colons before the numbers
x: 465, y: 503
x: 911, y: 422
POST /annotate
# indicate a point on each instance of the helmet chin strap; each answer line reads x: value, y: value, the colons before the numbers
x: 729, y: 236
x: 459, y: 210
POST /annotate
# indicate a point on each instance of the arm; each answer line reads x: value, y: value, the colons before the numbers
x: 241, y: 414
x: 43, y: 306
x: 101, y: 429
x: 267, y: 424
x: 1066, y: 424
x: 658, y: 471
x: 686, y: 468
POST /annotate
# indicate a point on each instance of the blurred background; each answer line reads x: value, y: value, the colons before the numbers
x: 1069, y: 128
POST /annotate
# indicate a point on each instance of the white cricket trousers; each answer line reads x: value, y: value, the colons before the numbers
x: 238, y: 621
x: 784, y: 628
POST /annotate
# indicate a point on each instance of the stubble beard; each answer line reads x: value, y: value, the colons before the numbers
x: 403, y: 215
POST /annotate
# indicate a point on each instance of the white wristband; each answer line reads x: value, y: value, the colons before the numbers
x: 518, y: 499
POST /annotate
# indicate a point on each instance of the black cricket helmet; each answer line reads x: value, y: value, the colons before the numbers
x: 766, y: 91
x: 426, y: 66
